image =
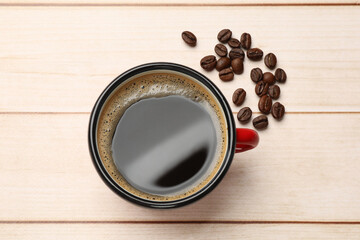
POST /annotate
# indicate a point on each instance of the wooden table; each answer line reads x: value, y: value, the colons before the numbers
x: 302, y: 182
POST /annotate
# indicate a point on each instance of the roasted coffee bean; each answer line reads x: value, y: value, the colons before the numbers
x: 261, y: 88
x: 245, y: 40
x: 278, y: 111
x: 265, y: 104
x: 222, y: 63
x: 244, y: 115
x: 189, y: 38
x: 256, y: 75
x: 208, y: 63
x: 269, y: 78
x: 255, y: 54
x: 236, y: 53
x: 237, y: 66
x: 239, y: 96
x: 274, y: 91
x: 280, y: 75
x: 226, y: 74
x: 234, y: 43
x: 224, y: 35
x: 221, y: 50
x: 260, y: 122
x: 270, y: 60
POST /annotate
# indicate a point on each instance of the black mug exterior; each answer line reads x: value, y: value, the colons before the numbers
x: 231, y: 133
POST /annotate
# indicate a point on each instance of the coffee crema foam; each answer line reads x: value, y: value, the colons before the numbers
x: 158, y: 83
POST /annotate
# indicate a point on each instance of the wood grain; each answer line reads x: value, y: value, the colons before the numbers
x: 59, y: 59
x: 172, y: 2
x: 56, y: 58
x: 174, y: 231
x: 305, y: 169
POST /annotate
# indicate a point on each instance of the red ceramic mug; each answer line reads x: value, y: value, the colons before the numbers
x: 237, y: 139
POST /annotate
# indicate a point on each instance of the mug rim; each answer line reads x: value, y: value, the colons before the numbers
x: 92, y: 129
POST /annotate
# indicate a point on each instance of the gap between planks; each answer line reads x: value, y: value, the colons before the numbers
x: 44, y: 113
x: 176, y: 222
x: 174, y: 4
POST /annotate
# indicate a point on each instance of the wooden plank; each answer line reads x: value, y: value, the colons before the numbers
x: 172, y: 2
x: 305, y: 169
x: 60, y: 59
x: 173, y: 231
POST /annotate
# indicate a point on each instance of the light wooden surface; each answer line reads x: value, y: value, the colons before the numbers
x: 302, y: 182
x: 175, y: 2
x: 294, y: 175
x: 45, y: 55
x: 174, y: 231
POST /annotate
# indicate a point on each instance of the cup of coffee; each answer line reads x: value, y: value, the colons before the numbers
x: 162, y: 135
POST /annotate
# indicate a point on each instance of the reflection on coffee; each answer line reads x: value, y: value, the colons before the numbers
x: 171, y: 109
x: 164, y: 145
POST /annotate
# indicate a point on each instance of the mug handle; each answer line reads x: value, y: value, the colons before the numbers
x: 246, y: 139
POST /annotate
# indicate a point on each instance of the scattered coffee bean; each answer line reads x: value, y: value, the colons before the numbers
x: 228, y: 66
x: 226, y: 74
x: 261, y: 88
x: 270, y: 60
x: 236, y: 53
x: 260, y: 122
x: 274, y: 91
x: 239, y: 96
x: 221, y: 50
x: 208, y: 63
x: 237, y: 66
x: 280, y: 75
x: 245, y: 40
x: 244, y: 115
x: 256, y: 75
x: 269, y: 78
x: 189, y: 38
x: 255, y: 54
x: 222, y: 63
x: 265, y: 104
x: 234, y: 43
x: 278, y: 111
x: 224, y: 35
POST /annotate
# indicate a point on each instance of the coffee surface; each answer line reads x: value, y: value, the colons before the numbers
x: 162, y: 87
x: 163, y: 145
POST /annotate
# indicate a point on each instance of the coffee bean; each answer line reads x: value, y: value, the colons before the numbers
x: 208, y: 63
x: 189, y: 38
x: 234, y: 43
x: 221, y: 50
x: 261, y: 88
x: 255, y: 54
x: 244, y: 115
x: 270, y: 60
x: 260, y: 122
x: 278, y: 111
x: 236, y: 53
x: 237, y: 66
x: 280, y: 75
x: 274, y: 91
x: 245, y: 40
x: 222, y: 63
x: 239, y: 96
x: 256, y: 75
x: 224, y: 35
x: 265, y: 103
x: 269, y: 78
x: 226, y: 74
